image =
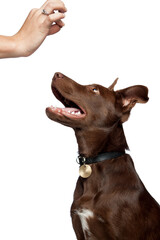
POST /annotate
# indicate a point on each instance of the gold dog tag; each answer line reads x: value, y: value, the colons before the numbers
x: 85, y: 171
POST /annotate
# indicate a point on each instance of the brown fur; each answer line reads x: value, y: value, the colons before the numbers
x: 122, y: 207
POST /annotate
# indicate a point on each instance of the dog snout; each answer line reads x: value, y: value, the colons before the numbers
x: 58, y: 75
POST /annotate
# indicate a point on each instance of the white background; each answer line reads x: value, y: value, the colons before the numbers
x: 102, y: 40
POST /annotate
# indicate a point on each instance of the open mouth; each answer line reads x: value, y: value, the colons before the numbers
x: 71, y: 110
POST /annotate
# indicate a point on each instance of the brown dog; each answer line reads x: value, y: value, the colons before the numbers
x: 110, y: 201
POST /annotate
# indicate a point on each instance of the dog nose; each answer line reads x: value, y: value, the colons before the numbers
x: 58, y: 75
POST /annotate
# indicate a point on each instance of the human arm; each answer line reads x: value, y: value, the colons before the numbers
x: 35, y: 29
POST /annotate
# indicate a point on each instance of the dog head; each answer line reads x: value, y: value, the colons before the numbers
x: 88, y: 106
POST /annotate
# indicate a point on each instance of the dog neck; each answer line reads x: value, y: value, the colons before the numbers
x: 92, y: 142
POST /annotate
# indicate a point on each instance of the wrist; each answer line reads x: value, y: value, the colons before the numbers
x: 18, y: 46
x: 13, y: 48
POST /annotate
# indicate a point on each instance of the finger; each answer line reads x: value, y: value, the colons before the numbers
x: 60, y: 23
x: 51, y: 5
x: 54, y: 29
x: 53, y: 18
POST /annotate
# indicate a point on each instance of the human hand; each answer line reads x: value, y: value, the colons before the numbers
x: 38, y: 26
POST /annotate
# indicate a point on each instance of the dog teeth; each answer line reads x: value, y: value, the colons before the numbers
x: 74, y: 112
x: 77, y: 113
x: 65, y: 110
x: 53, y: 107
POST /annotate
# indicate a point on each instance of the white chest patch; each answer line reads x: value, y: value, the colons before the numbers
x: 84, y: 215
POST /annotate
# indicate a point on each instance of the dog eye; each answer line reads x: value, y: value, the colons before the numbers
x: 95, y: 90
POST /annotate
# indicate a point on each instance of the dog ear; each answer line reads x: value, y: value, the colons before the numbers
x: 128, y: 97
x: 111, y: 88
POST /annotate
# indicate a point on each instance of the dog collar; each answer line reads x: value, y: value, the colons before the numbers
x: 99, y: 158
x: 85, y: 169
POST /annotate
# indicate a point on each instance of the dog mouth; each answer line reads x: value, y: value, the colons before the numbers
x: 70, y: 110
